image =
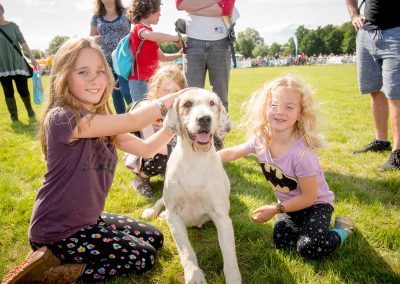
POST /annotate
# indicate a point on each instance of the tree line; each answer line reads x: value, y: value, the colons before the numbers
x: 328, y: 39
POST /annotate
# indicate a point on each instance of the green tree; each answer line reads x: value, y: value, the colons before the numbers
x: 333, y: 41
x: 312, y: 44
x: 37, y: 53
x: 275, y: 48
x: 247, y: 40
x: 349, y: 38
x: 300, y: 33
x: 287, y: 49
x: 55, y: 44
x: 260, y: 50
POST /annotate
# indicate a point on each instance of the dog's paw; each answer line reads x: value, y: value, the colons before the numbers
x: 194, y: 276
x: 149, y: 213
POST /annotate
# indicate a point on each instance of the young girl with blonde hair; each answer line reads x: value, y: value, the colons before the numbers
x: 71, y: 236
x: 282, y: 124
x: 168, y: 79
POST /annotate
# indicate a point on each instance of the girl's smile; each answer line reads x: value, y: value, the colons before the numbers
x: 283, y: 109
x: 88, y: 79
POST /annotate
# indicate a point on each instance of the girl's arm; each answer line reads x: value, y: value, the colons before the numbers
x: 98, y: 125
x: 144, y: 148
x: 168, y: 56
x: 147, y: 132
x: 231, y: 153
x: 309, y: 189
x: 158, y: 37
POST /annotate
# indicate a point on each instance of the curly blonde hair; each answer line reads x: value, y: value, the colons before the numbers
x: 306, y: 128
x: 59, y: 94
x: 140, y: 9
x: 170, y: 71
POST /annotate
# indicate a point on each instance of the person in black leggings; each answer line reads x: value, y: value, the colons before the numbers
x: 13, y: 66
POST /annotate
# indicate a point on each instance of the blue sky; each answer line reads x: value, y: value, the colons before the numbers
x: 275, y: 20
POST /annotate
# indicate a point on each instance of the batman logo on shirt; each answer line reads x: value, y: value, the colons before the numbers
x: 277, y: 179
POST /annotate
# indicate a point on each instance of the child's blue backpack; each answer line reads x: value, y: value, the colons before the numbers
x: 123, y: 59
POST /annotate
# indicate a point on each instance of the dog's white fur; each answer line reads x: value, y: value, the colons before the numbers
x: 196, y: 187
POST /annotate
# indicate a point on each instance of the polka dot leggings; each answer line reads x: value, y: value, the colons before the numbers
x: 307, y: 231
x: 115, y: 246
x: 154, y: 166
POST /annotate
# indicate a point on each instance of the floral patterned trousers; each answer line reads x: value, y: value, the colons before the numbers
x: 115, y: 246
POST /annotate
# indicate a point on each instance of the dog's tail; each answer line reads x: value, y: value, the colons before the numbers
x: 151, y: 213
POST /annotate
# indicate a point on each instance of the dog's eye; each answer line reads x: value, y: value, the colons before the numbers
x: 188, y: 104
x: 212, y: 103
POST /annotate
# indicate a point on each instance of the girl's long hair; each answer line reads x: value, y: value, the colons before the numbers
x: 59, y: 94
x: 100, y: 9
x: 306, y: 128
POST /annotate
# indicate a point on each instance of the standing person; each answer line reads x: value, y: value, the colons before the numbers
x: 71, y: 235
x: 13, y: 67
x: 144, y: 13
x: 378, y: 64
x: 167, y: 79
x: 282, y: 122
x: 208, y: 46
x: 109, y: 25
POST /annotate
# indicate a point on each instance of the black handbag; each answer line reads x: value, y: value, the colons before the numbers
x: 30, y: 69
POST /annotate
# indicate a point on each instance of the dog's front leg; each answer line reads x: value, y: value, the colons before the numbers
x: 193, y: 273
x: 226, y: 241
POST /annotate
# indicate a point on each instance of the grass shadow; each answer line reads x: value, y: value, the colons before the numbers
x: 356, y: 261
x: 30, y: 129
x: 367, y: 191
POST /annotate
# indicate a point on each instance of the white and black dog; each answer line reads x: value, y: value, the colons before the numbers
x: 196, y: 187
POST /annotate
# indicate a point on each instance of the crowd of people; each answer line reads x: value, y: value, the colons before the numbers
x: 301, y: 59
x: 80, y: 135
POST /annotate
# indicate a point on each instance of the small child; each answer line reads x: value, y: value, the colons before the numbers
x: 72, y: 238
x: 282, y: 122
x: 168, y: 79
x: 144, y: 13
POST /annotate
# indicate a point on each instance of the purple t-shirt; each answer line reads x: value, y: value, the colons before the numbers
x: 78, y: 177
x: 283, y: 173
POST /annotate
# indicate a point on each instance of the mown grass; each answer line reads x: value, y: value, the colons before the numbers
x: 371, y: 198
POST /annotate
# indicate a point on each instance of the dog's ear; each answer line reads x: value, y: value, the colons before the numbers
x: 224, y: 123
x: 171, y: 121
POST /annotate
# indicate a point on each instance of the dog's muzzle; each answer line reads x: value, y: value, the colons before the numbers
x: 203, y: 136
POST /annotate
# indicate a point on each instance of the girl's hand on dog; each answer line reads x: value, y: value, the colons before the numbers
x: 263, y: 214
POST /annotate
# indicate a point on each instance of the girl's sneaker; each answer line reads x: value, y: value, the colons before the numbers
x: 143, y: 187
x: 346, y: 224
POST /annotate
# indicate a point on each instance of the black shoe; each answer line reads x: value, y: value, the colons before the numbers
x: 375, y: 146
x: 393, y: 163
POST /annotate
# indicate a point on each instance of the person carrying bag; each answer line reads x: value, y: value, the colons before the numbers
x: 13, y: 66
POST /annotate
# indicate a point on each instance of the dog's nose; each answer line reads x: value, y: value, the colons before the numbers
x: 205, y: 121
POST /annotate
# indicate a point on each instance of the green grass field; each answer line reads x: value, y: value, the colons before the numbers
x: 371, y: 198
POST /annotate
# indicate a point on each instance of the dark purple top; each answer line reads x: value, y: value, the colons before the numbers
x: 78, y: 177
